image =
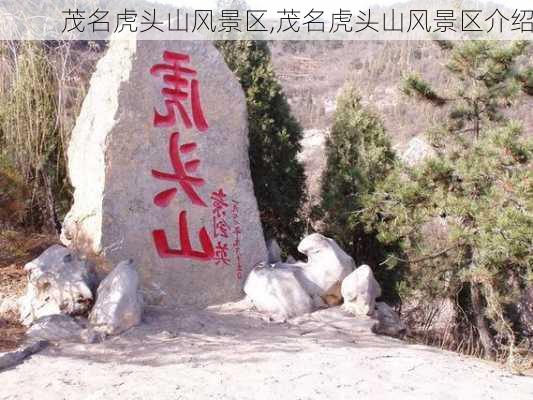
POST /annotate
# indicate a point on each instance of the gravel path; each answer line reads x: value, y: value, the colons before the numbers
x: 227, y: 353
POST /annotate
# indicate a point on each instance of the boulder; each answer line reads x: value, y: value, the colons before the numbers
x: 119, y: 302
x: 160, y: 168
x: 360, y: 290
x: 56, y: 328
x: 417, y: 151
x: 277, y: 292
x: 389, y: 322
x: 9, y: 307
x: 274, y: 251
x: 59, y: 282
x: 327, y: 265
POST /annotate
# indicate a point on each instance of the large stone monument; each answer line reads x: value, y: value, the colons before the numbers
x: 159, y: 163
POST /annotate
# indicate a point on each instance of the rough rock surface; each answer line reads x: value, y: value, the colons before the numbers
x: 185, y: 354
x: 417, y: 151
x: 525, y: 309
x: 119, y: 302
x: 276, y: 292
x: 274, y: 251
x: 56, y: 328
x: 389, y: 322
x: 360, y: 290
x: 59, y: 282
x: 125, y: 142
x: 327, y: 265
x: 9, y: 307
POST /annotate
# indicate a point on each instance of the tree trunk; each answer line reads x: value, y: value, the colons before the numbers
x: 481, y: 323
x: 476, y: 297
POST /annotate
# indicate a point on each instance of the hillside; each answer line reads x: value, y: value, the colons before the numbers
x: 313, y: 72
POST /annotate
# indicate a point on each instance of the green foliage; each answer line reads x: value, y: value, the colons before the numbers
x: 464, y: 218
x: 526, y: 78
x: 359, y: 155
x: 414, y: 85
x: 275, y: 135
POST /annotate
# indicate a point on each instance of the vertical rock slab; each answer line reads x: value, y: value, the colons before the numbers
x: 159, y: 163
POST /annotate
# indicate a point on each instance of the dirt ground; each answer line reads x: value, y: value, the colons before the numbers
x: 227, y: 353
x: 12, y: 335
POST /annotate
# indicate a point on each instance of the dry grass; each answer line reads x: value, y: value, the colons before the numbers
x: 313, y: 72
x: 12, y: 335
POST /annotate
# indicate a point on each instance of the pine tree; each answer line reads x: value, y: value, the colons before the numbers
x: 480, y: 184
x: 278, y: 176
x: 359, y: 155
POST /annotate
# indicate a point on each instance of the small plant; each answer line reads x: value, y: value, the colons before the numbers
x: 274, y: 134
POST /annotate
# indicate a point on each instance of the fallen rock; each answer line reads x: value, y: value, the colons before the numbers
x: 56, y: 328
x: 360, y: 290
x: 274, y: 251
x: 166, y: 180
x: 327, y: 265
x: 9, y: 307
x: 277, y: 292
x: 59, y: 282
x: 417, y: 151
x: 119, y: 302
x: 389, y: 322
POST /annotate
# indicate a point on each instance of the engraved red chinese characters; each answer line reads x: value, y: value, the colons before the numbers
x: 181, y: 87
x: 186, y: 250
x: 180, y: 175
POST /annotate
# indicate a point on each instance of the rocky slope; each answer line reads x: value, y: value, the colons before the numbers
x: 313, y: 72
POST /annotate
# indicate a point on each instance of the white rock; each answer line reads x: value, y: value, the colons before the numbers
x: 119, y: 302
x: 327, y: 265
x: 389, y: 322
x: 59, y: 282
x: 417, y: 151
x: 56, y: 328
x: 276, y: 292
x: 360, y: 290
x: 135, y: 197
x: 9, y: 307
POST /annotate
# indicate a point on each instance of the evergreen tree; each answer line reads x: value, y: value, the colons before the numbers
x: 278, y: 177
x: 359, y: 155
x: 479, y: 185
